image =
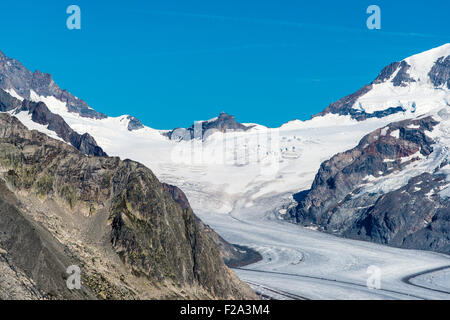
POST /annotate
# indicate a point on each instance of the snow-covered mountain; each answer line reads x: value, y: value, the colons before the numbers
x: 415, y: 85
x: 24, y: 84
x: 266, y: 160
x: 394, y: 139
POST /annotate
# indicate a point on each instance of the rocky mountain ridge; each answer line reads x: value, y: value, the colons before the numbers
x: 386, y: 189
x: 42, y: 115
x: 129, y: 235
x: 14, y: 76
x: 224, y: 122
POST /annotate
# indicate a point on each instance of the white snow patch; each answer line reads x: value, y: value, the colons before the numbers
x: 14, y: 94
x: 395, y: 134
x: 25, y: 118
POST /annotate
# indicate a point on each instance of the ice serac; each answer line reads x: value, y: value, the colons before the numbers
x: 410, y: 86
x: 388, y: 189
x: 112, y: 218
x: 224, y: 122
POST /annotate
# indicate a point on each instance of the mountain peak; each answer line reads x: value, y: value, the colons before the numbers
x: 14, y: 76
x: 414, y: 84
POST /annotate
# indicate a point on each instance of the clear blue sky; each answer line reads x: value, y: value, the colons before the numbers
x: 172, y: 62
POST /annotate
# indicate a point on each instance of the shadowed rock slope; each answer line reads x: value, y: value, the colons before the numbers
x: 113, y: 218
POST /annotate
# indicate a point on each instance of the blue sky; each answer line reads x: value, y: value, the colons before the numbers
x: 172, y: 62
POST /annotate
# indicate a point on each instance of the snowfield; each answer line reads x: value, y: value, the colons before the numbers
x: 419, y: 96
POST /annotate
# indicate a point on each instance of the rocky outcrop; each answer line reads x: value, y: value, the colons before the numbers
x: 42, y: 115
x: 232, y: 255
x: 440, y: 72
x: 224, y: 122
x: 13, y: 75
x: 134, y: 123
x: 345, y: 105
x: 386, y: 73
x: 413, y: 217
x: 7, y: 102
x: 343, y: 200
x: 402, y: 77
x: 132, y: 239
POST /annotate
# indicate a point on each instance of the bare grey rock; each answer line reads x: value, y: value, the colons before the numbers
x: 440, y: 72
x: 224, y: 122
x: 407, y: 217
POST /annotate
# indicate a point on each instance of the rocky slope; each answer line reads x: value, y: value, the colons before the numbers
x: 232, y: 255
x: 40, y: 114
x: 391, y: 188
x: 224, y: 122
x: 130, y: 234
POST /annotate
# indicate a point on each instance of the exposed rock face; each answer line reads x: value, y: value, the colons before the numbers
x: 345, y: 105
x: 224, y: 122
x: 7, y: 102
x: 232, y: 255
x: 134, y: 123
x: 36, y: 261
x: 13, y: 75
x: 112, y: 217
x: 386, y: 73
x: 42, y: 115
x: 407, y: 217
x: 412, y: 216
x: 440, y: 72
x: 402, y: 77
